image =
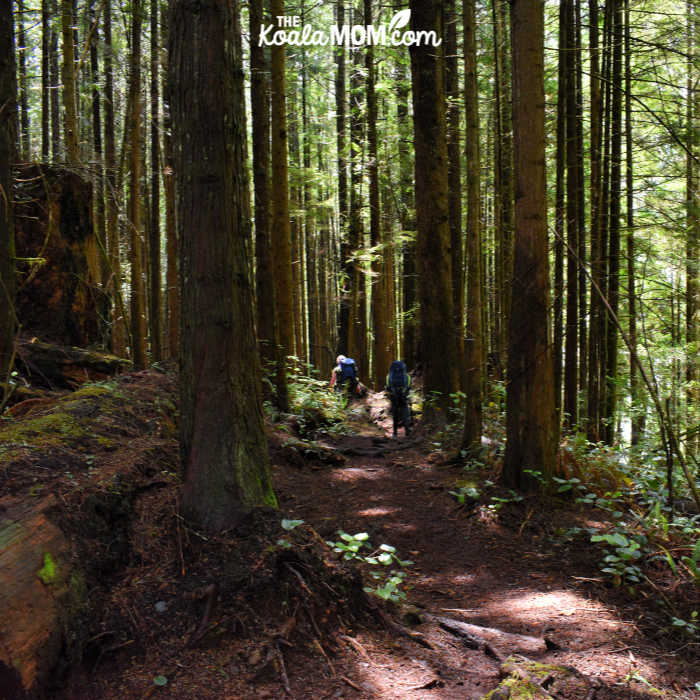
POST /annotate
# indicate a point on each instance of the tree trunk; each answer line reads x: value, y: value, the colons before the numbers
x: 596, y: 306
x: 692, y: 249
x: 172, y: 291
x: 45, y: 83
x: 454, y: 176
x: 70, y: 109
x: 222, y: 438
x: 8, y: 136
x: 138, y: 295
x: 572, y: 221
x: 613, y: 287
x: 112, y: 228
x: 636, y: 428
x: 54, y: 98
x: 341, y: 153
x: 380, y: 315
x: 357, y: 324
x: 25, y: 150
x: 409, y: 344
x: 559, y: 212
x: 280, y: 228
x: 440, y: 360
x: 532, y: 434
x: 154, y: 228
x: 265, y: 276
x: 471, y: 437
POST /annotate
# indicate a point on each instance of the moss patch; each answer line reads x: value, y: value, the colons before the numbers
x: 49, y: 572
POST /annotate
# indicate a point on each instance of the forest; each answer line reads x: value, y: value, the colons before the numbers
x: 350, y: 349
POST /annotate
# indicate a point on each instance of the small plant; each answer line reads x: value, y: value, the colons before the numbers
x: 387, y: 583
x: 288, y: 525
x: 464, y: 492
x: 693, y: 563
x: 690, y: 627
x: 620, y: 562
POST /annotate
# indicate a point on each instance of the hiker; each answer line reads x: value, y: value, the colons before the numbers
x: 344, y: 375
x: 398, y: 386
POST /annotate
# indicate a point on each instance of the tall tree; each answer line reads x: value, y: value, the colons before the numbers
x: 45, y: 82
x: 613, y: 286
x: 24, y: 130
x: 440, y: 360
x: 138, y: 294
x: 172, y: 304
x: 380, y: 313
x: 471, y: 437
x: 572, y: 221
x: 280, y: 226
x: 357, y: 324
x: 54, y: 98
x: 154, y: 296
x: 341, y: 153
x: 222, y: 438
x: 454, y: 174
x: 692, y: 249
x: 111, y: 204
x: 70, y: 108
x: 265, y: 274
x: 532, y: 434
x: 8, y: 143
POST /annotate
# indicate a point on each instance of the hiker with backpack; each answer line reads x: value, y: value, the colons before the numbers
x: 398, y: 387
x: 344, y: 375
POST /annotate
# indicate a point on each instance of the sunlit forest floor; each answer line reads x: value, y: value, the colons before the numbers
x: 272, y: 610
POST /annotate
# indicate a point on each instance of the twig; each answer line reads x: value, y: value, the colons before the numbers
x: 345, y: 679
x: 298, y: 575
x: 525, y: 522
x: 283, y: 671
x: 357, y: 646
x: 317, y: 644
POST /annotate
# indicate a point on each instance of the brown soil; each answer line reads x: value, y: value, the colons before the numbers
x: 240, y: 616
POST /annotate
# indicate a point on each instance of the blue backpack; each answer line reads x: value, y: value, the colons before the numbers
x: 398, y: 377
x: 348, y: 370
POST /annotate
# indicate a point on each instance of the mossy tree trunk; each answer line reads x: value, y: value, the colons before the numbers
x: 222, y: 439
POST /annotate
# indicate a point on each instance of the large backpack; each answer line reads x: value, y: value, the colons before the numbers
x: 347, y: 370
x: 398, y: 377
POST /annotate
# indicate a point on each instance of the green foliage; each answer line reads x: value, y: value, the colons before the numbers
x: 49, y: 571
x: 386, y: 582
x: 464, y: 492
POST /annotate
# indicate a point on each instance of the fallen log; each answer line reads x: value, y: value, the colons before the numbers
x: 39, y: 592
x: 64, y: 367
x: 496, y: 642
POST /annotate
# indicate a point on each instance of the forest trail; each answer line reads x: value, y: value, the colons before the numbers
x: 493, y: 567
x: 238, y: 615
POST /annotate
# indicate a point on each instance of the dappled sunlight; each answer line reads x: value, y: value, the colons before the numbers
x: 377, y: 512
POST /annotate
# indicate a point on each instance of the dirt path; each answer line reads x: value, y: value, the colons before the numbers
x: 494, y: 570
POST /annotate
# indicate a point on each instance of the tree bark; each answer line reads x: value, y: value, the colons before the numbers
x: 222, y: 438
x: 8, y: 141
x: 532, y: 434
x: 280, y: 227
x: 54, y: 98
x: 45, y: 83
x: 70, y: 109
x: 154, y: 297
x: 454, y: 176
x: 25, y: 145
x: 471, y: 437
x: 136, y: 258
x: 439, y: 360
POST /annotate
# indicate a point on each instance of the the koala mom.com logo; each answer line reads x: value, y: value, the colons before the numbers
x: 290, y: 32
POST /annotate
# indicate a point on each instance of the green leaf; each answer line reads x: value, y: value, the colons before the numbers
x: 160, y: 680
x: 387, y: 548
x: 289, y: 525
x: 385, y: 558
x: 361, y: 536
